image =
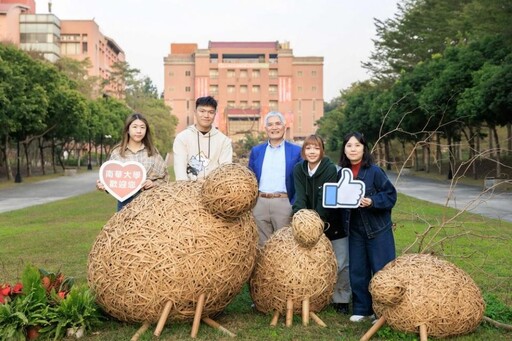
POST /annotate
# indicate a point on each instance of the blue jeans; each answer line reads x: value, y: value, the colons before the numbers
x: 366, y: 257
x: 121, y: 204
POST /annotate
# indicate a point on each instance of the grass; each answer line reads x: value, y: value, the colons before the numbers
x: 59, y: 235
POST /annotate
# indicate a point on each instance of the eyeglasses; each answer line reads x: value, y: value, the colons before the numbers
x: 205, y: 112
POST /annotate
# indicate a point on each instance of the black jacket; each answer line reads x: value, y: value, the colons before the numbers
x: 308, y: 194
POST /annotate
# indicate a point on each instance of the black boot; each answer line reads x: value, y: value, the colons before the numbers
x: 341, y: 308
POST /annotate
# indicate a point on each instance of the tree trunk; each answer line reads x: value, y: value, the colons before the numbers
x: 439, y: 154
x: 415, y: 159
x: 509, y: 138
x: 8, y: 169
x: 54, y: 165
x: 41, y: 154
x: 426, y: 156
x: 451, y: 159
x: 498, y: 152
x: 491, y: 145
x: 27, y: 158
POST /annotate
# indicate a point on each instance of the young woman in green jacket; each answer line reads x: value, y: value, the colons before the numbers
x: 309, y: 177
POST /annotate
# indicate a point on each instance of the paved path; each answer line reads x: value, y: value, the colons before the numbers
x: 28, y: 194
x: 491, y: 204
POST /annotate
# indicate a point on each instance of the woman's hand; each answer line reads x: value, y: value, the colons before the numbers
x: 148, y: 184
x: 366, y: 202
x: 99, y: 185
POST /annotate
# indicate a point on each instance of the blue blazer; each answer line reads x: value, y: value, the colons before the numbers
x: 292, y: 155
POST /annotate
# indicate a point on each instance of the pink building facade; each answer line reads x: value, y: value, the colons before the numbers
x: 10, y: 11
x: 54, y: 38
x: 248, y: 79
x: 81, y: 39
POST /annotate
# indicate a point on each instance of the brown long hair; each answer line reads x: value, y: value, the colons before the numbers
x: 314, y: 140
x: 147, y: 140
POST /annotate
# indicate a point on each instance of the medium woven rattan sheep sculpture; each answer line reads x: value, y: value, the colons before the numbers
x: 295, y: 271
x: 181, y: 251
x: 422, y: 291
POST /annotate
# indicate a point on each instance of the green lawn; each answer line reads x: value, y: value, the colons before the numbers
x: 59, y: 235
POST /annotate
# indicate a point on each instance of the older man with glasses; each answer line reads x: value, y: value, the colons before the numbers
x: 201, y: 147
x: 272, y: 162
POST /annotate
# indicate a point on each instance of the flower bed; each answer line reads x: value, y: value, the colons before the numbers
x: 45, y: 303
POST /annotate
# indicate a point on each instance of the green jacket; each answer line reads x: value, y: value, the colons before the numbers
x: 308, y: 194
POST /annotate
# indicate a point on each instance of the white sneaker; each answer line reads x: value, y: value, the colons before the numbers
x: 361, y: 318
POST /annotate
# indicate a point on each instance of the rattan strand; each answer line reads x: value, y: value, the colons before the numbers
x: 420, y: 289
x: 166, y: 246
x: 226, y: 194
x: 285, y: 269
x: 307, y: 227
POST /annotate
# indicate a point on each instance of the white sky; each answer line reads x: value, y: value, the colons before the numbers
x: 339, y: 30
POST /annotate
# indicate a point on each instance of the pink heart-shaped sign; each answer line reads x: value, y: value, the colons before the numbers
x: 122, y: 179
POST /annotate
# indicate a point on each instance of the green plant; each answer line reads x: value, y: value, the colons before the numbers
x: 496, y: 309
x: 30, y: 308
x: 77, y: 310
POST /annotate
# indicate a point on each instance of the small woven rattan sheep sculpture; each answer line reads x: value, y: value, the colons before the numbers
x: 422, y: 291
x: 295, y: 271
x: 181, y: 251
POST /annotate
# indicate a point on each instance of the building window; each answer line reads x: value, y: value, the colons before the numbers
x: 70, y: 48
x: 231, y: 104
x: 214, y: 73
x: 299, y: 88
x: 231, y: 89
x: 313, y: 73
x: 255, y: 104
x: 171, y: 73
x: 243, y: 89
x: 255, y: 89
x: 314, y: 106
x: 313, y: 88
x: 273, y: 105
x: 300, y: 105
x: 187, y: 73
x: 272, y: 73
x: 256, y: 73
x: 272, y: 89
x: 243, y: 104
x: 187, y: 89
x: 243, y: 73
x: 84, y: 37
x: 214, y: 89
x: 231, y: 73
x: 299, y: 73
x: 84, y: 47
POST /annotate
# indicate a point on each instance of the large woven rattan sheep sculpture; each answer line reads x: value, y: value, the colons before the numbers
x: 421, y: 291
x: 295, y: 271
x: 181, y: 251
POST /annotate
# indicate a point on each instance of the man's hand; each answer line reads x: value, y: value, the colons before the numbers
x: 347, y: 193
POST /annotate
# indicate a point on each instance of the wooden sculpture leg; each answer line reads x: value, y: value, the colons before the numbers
x: 305, y: 311
x: 163, y: 319
x: 317, y: 319
x: 275, y: 318
x: 141, y: 331
x: 376, y: 326
x: 423, y: 332
x: 289, y: 312
x: 197, y: 316
x: 217, y: 326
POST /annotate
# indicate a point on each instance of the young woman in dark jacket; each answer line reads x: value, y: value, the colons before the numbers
x: 371, y: 242
x: 309, y: 177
